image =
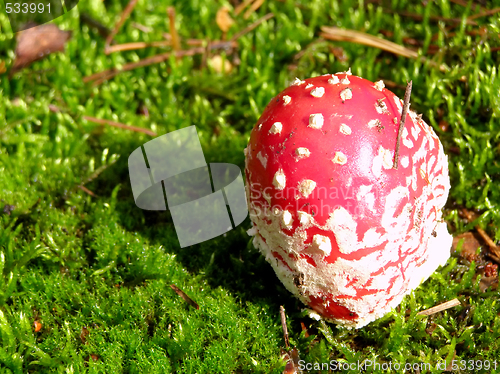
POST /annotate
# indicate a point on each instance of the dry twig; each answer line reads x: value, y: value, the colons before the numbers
x: 143, y: 28
x: 126, y: 13
x: 242, y: 6
x: 256, y: 5
x: 283, y: 325
x: 439, y: 308
x: 466, y: 4
x: 406, y: 106
x: 186, y: 298
x: 342, y: 35
x: 107, y: 74
x: 86, y: 190
x: 137, y: 45
x: 102, y: 76
x: 176, y: 43
x: 486, y: 13
x: 119, y: 125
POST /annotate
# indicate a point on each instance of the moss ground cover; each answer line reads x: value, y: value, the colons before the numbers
x: 85, y: 274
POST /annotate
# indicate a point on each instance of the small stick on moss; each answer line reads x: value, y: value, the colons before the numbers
x: 283, y: 325
x: 186, y: 298
x: 256, y: 5
x: 353, y: 36
x: 466, y: 4
x: 119, y: 125
x: 242, y: 6
x: 439, y: 308
x: 176, y: 43
x: 110, y: 73
x: 86, y: 190
x: 137, y: 45
x: 406, y: 106
x: 486, y: 13
x: 143, y: 28
x: 125, y: 14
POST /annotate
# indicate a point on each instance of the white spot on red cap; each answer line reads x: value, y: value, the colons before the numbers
x: 374, y: 123
x: 306, y: 187
x: 346, y: 94
x: 318, y: 91
x: 286, y: 218
x: 415, y: 130
x: 286, y: 100
x: 316, y: 120
x: 406, y: 140
x: 339, y: 158
x: 309, y: 86
x: 297, y: 82
x: 334, y: 79
x: 345, y: 80
x: 245, y: 151
x: 262, y: 159
x: 321, y: 244
x: 382, y: 160
x: 304, y: 218
x: 301, y: 153
x: 399, y: 104
x: 379, y: 85
x: 279, y: 180
x: 276, y: 128
x: 405, y: 161
x: 344, y: 129
x: 348, y: 72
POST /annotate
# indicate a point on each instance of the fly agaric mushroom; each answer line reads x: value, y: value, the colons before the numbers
x: 346, y: 231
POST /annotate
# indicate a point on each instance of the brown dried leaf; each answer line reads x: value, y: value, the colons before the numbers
x: 292, y: 361
x: 469, y: 246
x: 223, y: 19
x: 37, y: 42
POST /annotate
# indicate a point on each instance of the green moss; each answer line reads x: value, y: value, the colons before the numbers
x: 96, y: 271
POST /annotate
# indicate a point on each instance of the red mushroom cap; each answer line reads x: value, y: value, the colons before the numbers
x: 346, y: 232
